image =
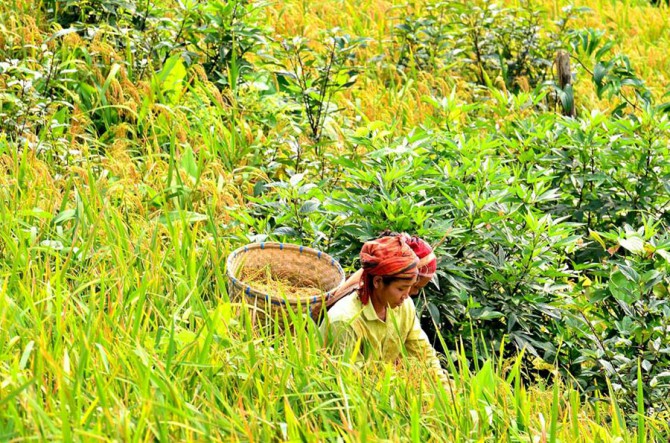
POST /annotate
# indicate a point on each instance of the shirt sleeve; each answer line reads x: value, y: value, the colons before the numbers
x: 418, y: 346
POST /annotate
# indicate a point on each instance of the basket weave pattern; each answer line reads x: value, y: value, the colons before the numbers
x: 290, y: 261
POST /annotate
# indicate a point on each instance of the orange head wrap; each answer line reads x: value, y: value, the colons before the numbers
x: 386, y: 257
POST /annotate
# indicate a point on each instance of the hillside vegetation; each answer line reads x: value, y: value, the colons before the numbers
x: 142, y: 141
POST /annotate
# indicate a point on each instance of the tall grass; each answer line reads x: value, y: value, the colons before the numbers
x: 124, y: 331
x: 122, y: 347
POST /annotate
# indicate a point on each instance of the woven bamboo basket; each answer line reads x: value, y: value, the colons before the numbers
x: 293, y: 262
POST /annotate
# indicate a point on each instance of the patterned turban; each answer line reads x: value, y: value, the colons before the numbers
x: 427, y: 260
x: 386, y: 257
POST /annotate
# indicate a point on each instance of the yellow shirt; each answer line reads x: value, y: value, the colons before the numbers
x: 349, y: 321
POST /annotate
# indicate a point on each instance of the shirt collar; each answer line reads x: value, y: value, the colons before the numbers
x: 369, y: 312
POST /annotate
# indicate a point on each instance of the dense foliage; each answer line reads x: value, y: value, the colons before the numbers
x: 141, y: 141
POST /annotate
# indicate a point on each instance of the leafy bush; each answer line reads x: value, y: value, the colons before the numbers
x: 490, y: 44
x: 612, y: 74
x: 521, y: 210
x: 219, y: 35
x: 628, y: 306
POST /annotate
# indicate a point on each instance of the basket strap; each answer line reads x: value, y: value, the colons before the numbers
x: 346, y: 288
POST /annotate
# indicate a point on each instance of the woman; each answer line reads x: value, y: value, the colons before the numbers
x: 380, y: 318
x: 426, y: 268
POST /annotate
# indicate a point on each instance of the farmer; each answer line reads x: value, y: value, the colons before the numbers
x: 426, y: 268
x: 380, y: 317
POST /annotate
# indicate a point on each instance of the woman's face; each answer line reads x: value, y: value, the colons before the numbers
x: 420, y: 283
x: 394, y: 293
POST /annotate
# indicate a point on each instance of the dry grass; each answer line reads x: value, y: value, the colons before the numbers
x: 278, y: 285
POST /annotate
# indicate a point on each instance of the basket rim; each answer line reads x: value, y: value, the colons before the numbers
x: 252, y: 293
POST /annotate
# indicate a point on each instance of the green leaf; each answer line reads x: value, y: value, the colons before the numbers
x: 309, y: 206
x: 663, y: 253
x: 259, y: 188
x: 599, y: 73
x: 567, y: 98
x: 112, y: 73
x: 633, y: 244
x: 487, y: 314
x: 171, y: 78
x: 189, y: 164
x: 594, y: 235
x: 177, y: 216
x: 604, y: 49
x: 608, y: 366
x: 434, y: 312
x: 26, y: 354
x: 285, y: 230
x: 622, y: 288
x: 64, y: 216
x: 304, y: 189
x: 630, y: 273
x: 36, y: 212
x: 103, y: 356
x: 296, y: 179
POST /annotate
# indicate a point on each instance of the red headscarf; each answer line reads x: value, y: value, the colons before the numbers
x: 427, y: 260
x: 386, y: 257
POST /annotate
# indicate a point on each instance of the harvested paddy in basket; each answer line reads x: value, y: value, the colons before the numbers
x: 278, y: 284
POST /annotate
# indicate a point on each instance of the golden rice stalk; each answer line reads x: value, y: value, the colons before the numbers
x: 276, y: 284
x: 199, y: 72
x: 114, y: 93
x: 130, y: 89
x: 104, y: 50
x: 31, y: 32
x: 72, y: 41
